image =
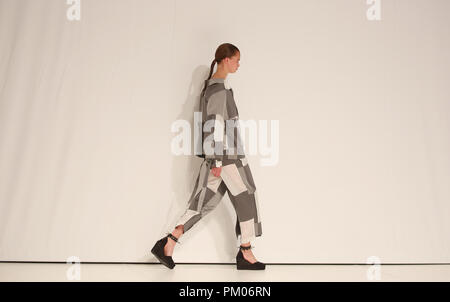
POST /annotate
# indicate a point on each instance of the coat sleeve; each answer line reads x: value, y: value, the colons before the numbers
x: 216, y: 115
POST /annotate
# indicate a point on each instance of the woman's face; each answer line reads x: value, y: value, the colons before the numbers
x: 233, y: 62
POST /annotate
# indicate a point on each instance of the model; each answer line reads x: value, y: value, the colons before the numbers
x: 224, y: 169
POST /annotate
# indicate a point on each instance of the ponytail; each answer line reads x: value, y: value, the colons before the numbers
x: 210, y: 74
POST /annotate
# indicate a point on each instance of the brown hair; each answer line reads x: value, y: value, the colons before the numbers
x: 225, y: 50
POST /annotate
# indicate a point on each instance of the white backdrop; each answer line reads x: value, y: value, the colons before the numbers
x: 86, y: 109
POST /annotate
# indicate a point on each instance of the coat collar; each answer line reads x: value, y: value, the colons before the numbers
x: 215, y: 80
x: 218, y: 80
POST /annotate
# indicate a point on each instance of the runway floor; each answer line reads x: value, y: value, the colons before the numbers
x: 141, y: 272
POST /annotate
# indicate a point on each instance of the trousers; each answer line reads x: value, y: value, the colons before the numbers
x: 237, y: 181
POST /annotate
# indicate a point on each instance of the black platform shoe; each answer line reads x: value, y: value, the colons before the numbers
x: 243, y: 264
x: 158, y: 251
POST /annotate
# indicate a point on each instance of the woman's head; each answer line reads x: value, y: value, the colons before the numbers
x: 227, y: 57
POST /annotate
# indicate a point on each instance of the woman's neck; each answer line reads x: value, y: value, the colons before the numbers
x: 219, y: 75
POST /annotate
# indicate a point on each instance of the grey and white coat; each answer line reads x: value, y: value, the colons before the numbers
x: 217, y: 104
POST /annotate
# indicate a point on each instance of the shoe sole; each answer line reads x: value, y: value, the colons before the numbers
x: 248, y: 266
x: 241, y: 268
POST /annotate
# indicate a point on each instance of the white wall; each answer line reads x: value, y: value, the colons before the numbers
x: 363, y: 106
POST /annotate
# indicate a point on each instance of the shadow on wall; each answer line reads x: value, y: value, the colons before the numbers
x: 185, y: 169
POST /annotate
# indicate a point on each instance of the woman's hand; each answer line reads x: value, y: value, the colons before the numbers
x: 216, y: 171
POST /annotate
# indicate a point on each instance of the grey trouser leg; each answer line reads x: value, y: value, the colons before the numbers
x: 236, y: 179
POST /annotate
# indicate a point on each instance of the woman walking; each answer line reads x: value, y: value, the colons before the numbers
x: 224, y: 169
